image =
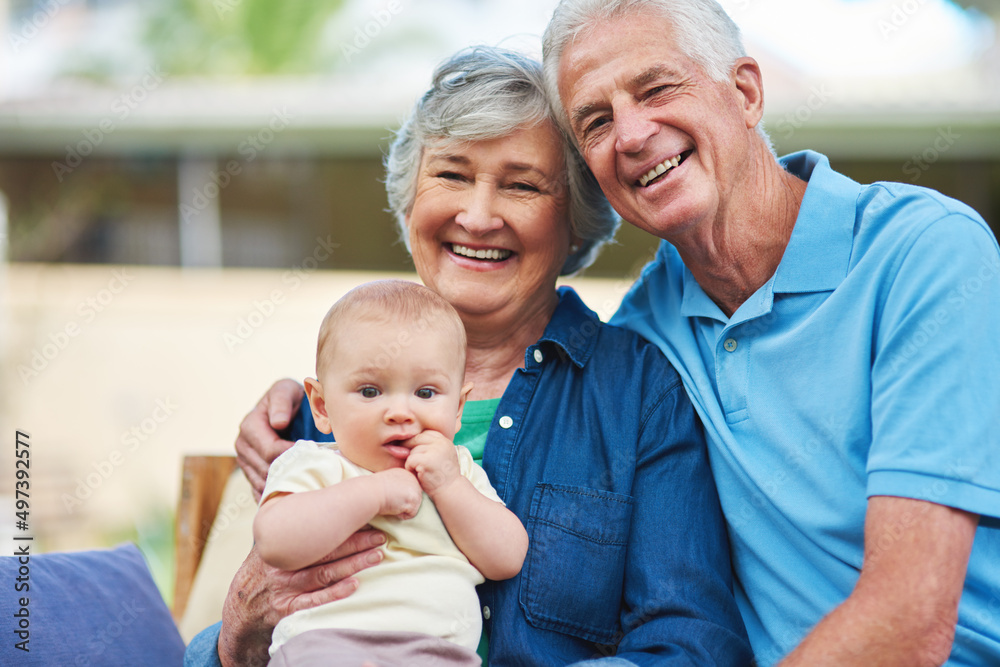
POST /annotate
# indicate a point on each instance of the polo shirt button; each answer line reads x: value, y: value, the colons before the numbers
x: 506, y: 422
x: 486, y: 612
x: 538, y: 356
x: 730, y: 345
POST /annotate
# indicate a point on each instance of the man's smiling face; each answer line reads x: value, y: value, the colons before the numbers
x: 667, y: 144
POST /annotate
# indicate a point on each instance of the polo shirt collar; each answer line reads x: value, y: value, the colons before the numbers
x: 819, y: 252
x: 574, y: 328
x: 695, y: 302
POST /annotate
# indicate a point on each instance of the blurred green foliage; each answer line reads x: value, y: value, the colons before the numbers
x: 239, y: 37
x: 153, y: 532
x: 986, y: 6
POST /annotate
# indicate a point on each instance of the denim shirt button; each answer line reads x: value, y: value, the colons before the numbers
x: 486, y: 612
x: 538, y: 356
x: 506, y: 422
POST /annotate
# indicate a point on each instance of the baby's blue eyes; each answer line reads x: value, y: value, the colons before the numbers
x: 373, y: 392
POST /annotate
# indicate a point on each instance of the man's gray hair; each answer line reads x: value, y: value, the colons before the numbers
x: 704, y: 32
x: 484, y: 93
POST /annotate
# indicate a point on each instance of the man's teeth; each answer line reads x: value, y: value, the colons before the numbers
x: 491, y: 253
x: 661, y: 168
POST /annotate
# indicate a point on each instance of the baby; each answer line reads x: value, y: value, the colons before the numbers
x: 390, y: 368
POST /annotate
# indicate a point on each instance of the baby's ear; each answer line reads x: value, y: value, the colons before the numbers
x: 462, y: 397
x: 314, y: 390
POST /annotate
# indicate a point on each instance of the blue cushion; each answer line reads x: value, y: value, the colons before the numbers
x: 86, y: 608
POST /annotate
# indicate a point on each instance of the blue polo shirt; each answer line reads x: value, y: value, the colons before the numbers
x: 869, y: 364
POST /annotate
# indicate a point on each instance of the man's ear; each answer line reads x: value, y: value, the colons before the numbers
x: 750, y: 86
x: 314, y: 390
x: 462, y: 397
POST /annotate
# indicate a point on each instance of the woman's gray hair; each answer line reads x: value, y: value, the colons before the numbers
x: 704, y: 32
x: 484, y: 93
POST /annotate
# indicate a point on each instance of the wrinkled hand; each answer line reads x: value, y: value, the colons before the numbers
x: 261, y: 595
x: 258, y: 442
x: 433, y: 460
x: 402, y: 494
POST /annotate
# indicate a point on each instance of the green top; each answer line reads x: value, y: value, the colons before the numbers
x: 476, y: 419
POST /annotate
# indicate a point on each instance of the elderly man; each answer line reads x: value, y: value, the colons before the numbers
x: 837, y: 339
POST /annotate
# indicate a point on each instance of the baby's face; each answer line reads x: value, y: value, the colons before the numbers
x: 385, y: 384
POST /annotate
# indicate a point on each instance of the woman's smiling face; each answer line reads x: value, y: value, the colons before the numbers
x: 489, y: 228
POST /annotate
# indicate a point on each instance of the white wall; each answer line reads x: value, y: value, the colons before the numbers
x: 117, y: 372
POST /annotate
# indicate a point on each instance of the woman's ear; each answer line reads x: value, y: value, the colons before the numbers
x: 314, y: 390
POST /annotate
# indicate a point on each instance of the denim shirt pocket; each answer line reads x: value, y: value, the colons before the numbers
x: 573, y: 574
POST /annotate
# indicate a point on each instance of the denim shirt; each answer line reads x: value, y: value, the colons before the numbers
x: 597, y: 449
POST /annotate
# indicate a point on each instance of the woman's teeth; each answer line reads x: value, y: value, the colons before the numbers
x: 659, y: 169
x: 491, y: 253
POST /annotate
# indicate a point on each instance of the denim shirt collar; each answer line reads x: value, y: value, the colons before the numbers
x: 573, y: 328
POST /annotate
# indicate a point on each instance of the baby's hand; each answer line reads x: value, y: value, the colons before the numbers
x: 401, y: 493
x: 433, y: 460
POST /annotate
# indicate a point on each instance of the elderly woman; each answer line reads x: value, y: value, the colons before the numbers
x: 584, y: 429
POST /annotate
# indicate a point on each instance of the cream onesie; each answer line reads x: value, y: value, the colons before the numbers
x: 424, y: 584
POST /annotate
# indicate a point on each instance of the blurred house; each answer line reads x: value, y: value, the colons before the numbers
x: 145, y: 166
